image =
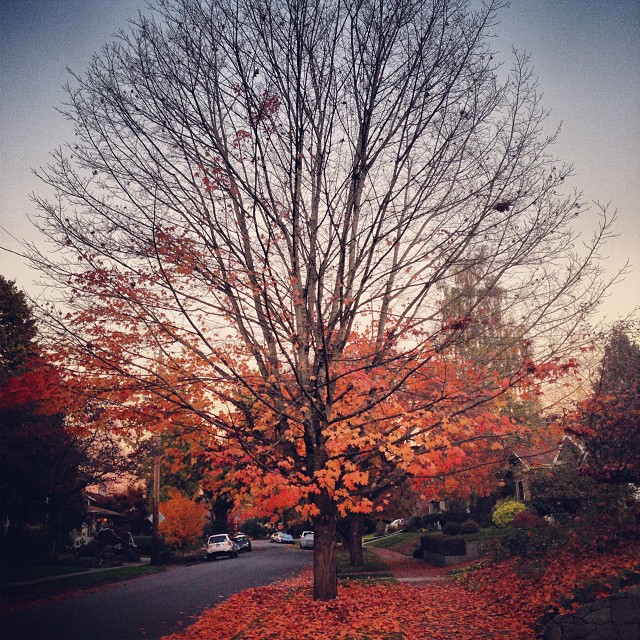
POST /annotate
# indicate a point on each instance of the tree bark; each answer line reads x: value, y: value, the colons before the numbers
x: 356, y: 527
x: 325, y: 570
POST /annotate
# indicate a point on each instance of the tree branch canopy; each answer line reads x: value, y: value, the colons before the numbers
x: 264, y: 201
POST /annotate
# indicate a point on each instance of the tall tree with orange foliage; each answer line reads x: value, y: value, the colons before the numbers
x: 252, y: 184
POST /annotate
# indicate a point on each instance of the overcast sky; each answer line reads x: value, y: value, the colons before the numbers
x: 585, y: 52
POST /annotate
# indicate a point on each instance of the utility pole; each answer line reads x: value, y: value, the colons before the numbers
x: 155, y: 540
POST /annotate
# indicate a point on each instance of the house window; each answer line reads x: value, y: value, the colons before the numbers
x: 520, y: 495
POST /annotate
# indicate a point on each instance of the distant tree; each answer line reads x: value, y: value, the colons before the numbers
x: 252, y: 184
x: 40, y: 474
x: 184, y: 519
x: 132, y: 502
x: 17, y: 329
x: 472, y: 298
x: 608, y: 421
x: 564, y: 490
x: 46, y: 460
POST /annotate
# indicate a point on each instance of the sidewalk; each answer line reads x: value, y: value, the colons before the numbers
x: 407, y: 569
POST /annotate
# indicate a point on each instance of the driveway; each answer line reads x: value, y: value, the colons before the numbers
x: 154, y: 605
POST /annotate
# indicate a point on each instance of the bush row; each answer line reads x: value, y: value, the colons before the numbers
x: 466, y: 527
x: 436, y: 521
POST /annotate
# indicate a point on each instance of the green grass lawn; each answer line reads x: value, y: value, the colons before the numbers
x: 372, y: 569
x: 74, y: 582
x: 21, y: 572
x: 404, y: 543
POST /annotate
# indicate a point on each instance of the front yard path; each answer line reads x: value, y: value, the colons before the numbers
x: 413, y: 571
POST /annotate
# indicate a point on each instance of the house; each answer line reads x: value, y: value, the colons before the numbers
x: 547, y: 456
x: 99, y: 516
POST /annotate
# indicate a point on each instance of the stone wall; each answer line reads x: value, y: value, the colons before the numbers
x: 613, y: 618
x: 475, y: 550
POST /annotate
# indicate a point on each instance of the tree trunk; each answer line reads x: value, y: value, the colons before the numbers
x: 325, y: 570
x: 356, y: 527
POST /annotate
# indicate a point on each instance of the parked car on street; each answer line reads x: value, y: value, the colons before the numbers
x: 242, y: 542
x: 306, y: 540
x: 281, y: 538
x: 221, y: 544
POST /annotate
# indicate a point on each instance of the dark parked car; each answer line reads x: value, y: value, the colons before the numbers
x: 242, y: 542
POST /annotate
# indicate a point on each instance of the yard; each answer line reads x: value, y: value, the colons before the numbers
x: 492, y: 601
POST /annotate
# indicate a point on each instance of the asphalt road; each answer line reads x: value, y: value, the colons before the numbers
x: 153, y: 606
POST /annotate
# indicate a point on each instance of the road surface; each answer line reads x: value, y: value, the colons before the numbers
x: 153, y: 606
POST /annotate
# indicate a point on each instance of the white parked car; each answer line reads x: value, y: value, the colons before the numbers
x: 221, y: 544
x: 306, y: 540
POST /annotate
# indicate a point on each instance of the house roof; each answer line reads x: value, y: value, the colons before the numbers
x: 549, y: 453
x: 97, y: 504
x: 105, y: 512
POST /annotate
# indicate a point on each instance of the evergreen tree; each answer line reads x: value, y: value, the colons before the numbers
x: 17, y: 329
x: 608, y: 421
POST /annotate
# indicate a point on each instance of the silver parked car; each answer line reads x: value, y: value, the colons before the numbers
x: 306, y: 540
x: 221, y: 544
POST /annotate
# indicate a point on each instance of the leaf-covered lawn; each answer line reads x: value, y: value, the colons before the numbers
x: 529, y: 588
x: 362, y: 612
x: 495, y: 602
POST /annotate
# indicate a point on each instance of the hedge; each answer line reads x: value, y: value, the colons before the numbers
x: 444, y: 545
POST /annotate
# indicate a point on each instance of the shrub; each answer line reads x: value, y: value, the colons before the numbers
x: 415, y: 523
x: 254, y: 528
x: 144, y: 544
x: 516, y: 543
x: 528, y: 520
x: 469, y: 526
x: 451, y: 528
x: 444, y: 545
x: 530, y: 543
x: 432, y: 521
x: 481, y: 510
x: 505, y: 511
x: 418, y: 553
x: 89, y: 550
x: 454, y: 516
x: 429, y: 543
x: 132, y: 555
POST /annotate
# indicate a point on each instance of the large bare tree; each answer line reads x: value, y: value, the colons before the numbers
x: 252, y: 181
